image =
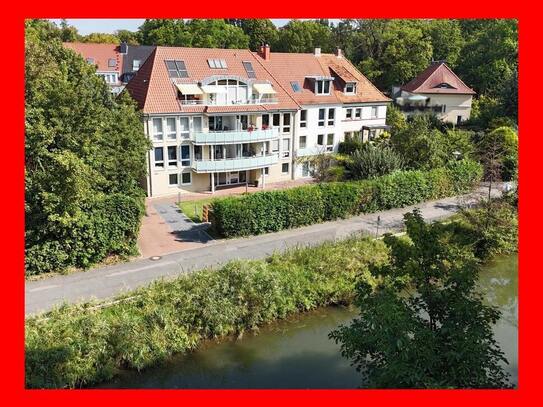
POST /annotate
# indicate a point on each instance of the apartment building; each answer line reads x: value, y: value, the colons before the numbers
x: 219, y: 117
x: 436, y: 90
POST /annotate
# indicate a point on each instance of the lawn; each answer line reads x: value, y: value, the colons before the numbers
x: 193, y: 209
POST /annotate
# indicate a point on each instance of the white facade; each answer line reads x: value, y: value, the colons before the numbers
x: 451, y: 108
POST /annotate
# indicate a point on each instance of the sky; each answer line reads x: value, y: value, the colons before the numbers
x: 109, y: 25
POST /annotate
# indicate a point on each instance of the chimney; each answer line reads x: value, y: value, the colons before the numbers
x: 317, y: 52
x: 265, y: 51
x: 339, y: 53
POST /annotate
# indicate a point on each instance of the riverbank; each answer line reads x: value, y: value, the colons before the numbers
x: 79, y: 345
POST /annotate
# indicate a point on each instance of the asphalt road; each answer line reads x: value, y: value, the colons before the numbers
x: 104, y: 282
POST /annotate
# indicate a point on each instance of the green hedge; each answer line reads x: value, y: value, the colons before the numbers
x: 264, y: 212
x: 110, y: 227
x: 78, y: 345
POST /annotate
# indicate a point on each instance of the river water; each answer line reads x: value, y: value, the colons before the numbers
x: 297, y: 353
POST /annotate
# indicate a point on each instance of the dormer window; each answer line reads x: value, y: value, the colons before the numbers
x: 322, y: 87
x: 444, y: 85
x: 350, y: 88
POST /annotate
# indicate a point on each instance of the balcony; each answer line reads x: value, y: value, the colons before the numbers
x: 421, y: 108
x: 235, y: 137
x: 235, y: 164
x: 245, y: 102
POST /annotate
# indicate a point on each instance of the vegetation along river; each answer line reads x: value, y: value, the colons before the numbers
x: 297, y: 353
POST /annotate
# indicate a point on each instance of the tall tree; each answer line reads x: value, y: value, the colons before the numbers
x: 305, y: 36
x: 447, y: 40
x: 130, y: 37
x: 425, y: 325
x: 101, y: 38
x: 216, y: 33
x: 260, y: 31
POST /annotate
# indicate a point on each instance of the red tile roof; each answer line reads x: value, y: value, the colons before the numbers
x: 155, y: 91
x: 101, y: 53
x: 437, y: 73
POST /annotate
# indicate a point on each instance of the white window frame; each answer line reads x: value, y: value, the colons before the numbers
x: 184, y: 134
x: 376, y: 110
x: 300, y: 142
x: 320, y: 86
x: 358, y: 113
x: 303, y: 121
x: 172, y: 163
x: 185, y: 162
x: 320, y: 144
x: 136, y: 64
x: 190, y: 175
x: 286, y: 151
x: 348, y: 114
x: 158, y: 136
x: 158, y: 163
x: 169, y: 180
x: 350, y: 92
x: 322, y: 122
x: 171, y: 135
x: 288, y: 168
x: 285, y: 128
x: 331, y: 121
x: 330, y: 147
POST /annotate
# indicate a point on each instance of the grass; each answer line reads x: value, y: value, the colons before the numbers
x: 193, y: 209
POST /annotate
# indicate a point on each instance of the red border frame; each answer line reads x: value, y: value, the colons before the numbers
x: 12, y: 300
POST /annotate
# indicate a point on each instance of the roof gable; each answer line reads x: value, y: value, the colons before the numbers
x: 438, y: 78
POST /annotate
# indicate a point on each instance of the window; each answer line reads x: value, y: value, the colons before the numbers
x: 322, y: 87
x: 348, y: 114
x: 249, y: 69
x: 173, y: 180
x: 90, y: 60
x: 184, y: 127
x: 266, y: 170
x: 358, y: 113
x: 136, y: 65
x: 350, y: 88
x: 172, y: 156
x: 170, y: 128
x: 265, y: 121
x: 276, y: 119
x: 186, y: 178
x: 217, y: 63
x: 286, y: 122
x: 303, y: 141
x: 303, y: 118
x: 275, y: 146
x: 331, y: 116
x: 458, y: 120
x: 159, y: 157
x: 286, y: 147
x: 111, y: 62
x: 320, y: 140
x: 374, y: 112
x: 284, y: 168
x: 322, y: 115
x: 197, y: 124
x: 177, y: 69
x: 157, y: 129
x: 330, y: 142
x: 305, y: 169
x: 185, y: 155
x: 295, y: 87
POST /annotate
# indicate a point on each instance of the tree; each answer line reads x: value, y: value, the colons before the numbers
x: 425, y: 325
x: 260, y: 31
x: 216, y: 33
x: 101, y: 38
x: 68, y: 33
x: 305, y: 36
x: 372, y: 161
x: 447, y: 40
x: 130, y: 37
x: 498, y: 152
x: 171, y: 32
x: 83, y: 199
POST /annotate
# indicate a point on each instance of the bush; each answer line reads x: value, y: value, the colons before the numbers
x: 264, y: 212
x: 78, y: 345
x: 349, y: 146
x: 372, y: 161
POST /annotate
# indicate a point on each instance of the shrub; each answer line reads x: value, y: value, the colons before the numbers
x: 264, y: 212
x: 372, y: 161
x: 349, y: 146
x: 78, y: 345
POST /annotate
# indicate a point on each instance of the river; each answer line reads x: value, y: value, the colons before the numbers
x: 296, y: 353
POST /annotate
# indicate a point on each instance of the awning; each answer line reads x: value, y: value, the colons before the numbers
x: 417, y: 97
x: 214, y: 89
x: 189, y: 88
x: 264, y: 88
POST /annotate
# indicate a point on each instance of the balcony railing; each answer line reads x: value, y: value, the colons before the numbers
x: 261, y: 101
x: 235, y: 137
x: 235, y: 164
x: 416, y: 108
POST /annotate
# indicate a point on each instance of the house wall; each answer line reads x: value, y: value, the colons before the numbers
x: 455, y: 105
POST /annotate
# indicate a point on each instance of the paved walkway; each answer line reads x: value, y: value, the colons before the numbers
x: 108, y: 281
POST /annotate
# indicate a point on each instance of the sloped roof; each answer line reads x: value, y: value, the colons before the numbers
x: 101, y: 53
x: 438, y: 73
x: 155, y: 91
x: 296, y: 67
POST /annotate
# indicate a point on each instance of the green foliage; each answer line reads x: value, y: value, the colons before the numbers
x: 349, y: 146
x: 199, y: 33
x: 75, y: 176
x: 425, y: 325
x: 305, y: 36
x: 447, y: 40
x: 371, y: 161
x: 79, y: 345
x: 498, y: 150
x: 260, y: 31
x: 272, y: 211
x: 101, y: 38
x: 130, y: 37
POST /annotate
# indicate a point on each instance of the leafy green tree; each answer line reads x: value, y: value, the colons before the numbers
x: 216, y: 33
x: 447, y: 40
x: 130, y: 37
x: 490, y: 56
x: 171, y: 32
x: 101, y: 38
x: 305, y: 36
x: 372, y: 161
x: 425, y: 325
x: 68, y: 33
x: 260, y: 31
x: 83, y: 199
